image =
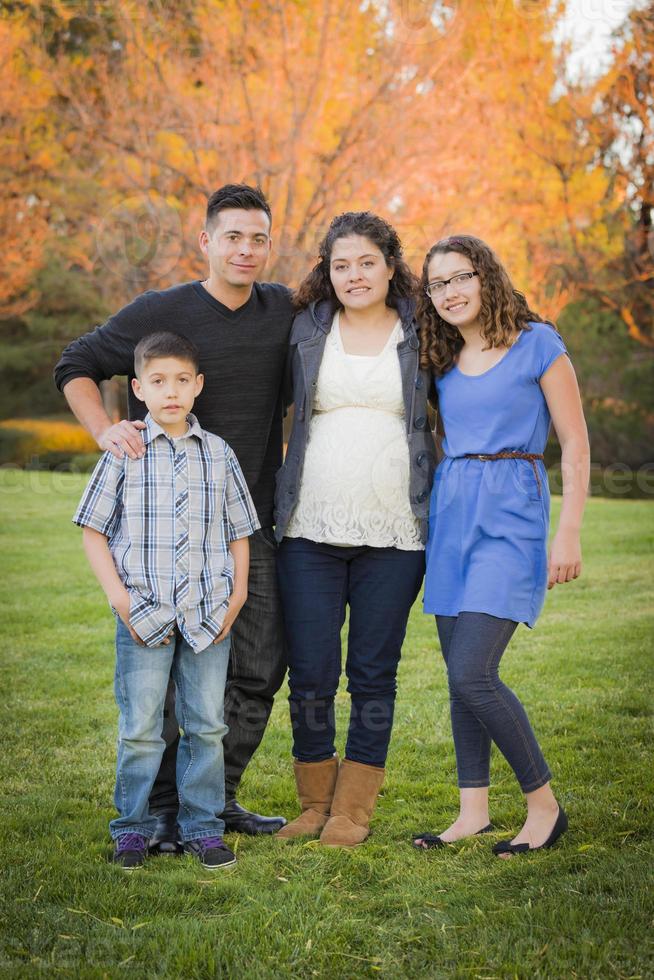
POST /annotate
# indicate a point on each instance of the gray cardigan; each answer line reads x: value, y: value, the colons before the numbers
x: 307, y: 344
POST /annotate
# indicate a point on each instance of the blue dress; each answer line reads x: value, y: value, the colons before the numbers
x: 488, y: 520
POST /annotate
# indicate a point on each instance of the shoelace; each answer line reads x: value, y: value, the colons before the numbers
x: 132, y: 842
x: 207, y: 843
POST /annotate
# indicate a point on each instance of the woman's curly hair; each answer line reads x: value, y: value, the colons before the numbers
x: 318, y: 285
x: 504, y: 311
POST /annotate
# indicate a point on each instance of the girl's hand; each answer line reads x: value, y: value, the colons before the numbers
x: 565, y: 558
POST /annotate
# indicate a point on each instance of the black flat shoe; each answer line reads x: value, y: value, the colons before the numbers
x: 166, y: 838
x: 432, y: 840
x: 238, y: 820
x: 560, y: 827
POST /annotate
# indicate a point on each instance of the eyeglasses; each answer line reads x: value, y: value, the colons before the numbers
x: 438, y: 288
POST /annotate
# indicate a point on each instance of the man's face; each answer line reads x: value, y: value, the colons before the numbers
x: 237, y: 245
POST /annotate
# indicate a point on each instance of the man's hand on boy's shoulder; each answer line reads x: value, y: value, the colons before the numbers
x: 236, y: 602
x: 124, y: 439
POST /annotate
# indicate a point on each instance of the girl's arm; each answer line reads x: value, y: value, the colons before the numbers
x: 559, y: 385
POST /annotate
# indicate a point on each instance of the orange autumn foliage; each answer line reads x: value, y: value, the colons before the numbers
x: 450, y: 117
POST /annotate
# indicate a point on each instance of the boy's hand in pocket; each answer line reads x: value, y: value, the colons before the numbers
x: 236, y: 602
x: 121, y: 604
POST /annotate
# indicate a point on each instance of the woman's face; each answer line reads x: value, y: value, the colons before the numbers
x: 458, y: 303
x: 358, y: 272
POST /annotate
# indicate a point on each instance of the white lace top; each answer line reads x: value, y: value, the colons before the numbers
x: 355, y: 483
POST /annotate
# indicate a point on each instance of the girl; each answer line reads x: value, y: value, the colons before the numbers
x: 350, y: 511
x: 501, y: 376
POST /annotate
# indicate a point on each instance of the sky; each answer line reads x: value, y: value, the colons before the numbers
x: 588, y: 24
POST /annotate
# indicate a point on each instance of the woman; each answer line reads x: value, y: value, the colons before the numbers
x: 351, y: 508
x: 501, y: 376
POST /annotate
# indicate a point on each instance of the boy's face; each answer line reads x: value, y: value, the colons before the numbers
x: 168, y: 386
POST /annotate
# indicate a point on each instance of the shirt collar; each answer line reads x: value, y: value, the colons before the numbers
x: 153, y: 429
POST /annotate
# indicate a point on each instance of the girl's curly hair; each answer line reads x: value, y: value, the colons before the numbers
x: 504, y: 311
x: 318, y: 285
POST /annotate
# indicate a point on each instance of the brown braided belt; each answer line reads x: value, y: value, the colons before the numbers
x: 530, y: 457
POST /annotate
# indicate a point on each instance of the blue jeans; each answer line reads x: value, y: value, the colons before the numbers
x: 317, y: 582
x: 257, y: 665
x: 141, y: 682
x: 482, y: 707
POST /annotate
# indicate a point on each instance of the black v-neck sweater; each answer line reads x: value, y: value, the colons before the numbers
x: 242, y: 356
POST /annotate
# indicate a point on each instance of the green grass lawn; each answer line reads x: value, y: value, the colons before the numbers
x: 583, y: 909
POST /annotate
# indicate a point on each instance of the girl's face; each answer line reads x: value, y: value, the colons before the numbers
x: 459, y: 302
x: 358, y: 272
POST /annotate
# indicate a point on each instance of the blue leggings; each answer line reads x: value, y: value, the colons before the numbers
x: 483, y: 709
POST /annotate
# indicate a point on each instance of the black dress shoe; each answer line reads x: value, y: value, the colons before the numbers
x: 238, y: 820
x: 166, y: 838
x: 560, y: 827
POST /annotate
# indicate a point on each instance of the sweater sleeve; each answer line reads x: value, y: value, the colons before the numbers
x: 108, y: 350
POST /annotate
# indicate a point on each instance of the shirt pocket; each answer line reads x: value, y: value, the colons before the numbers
x: 205, y: 505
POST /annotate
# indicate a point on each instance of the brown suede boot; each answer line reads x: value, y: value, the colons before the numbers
x: 315, y: 783
x: 354, y: 800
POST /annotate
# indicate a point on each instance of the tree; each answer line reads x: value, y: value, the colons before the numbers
x: 25, y: 158
x: 34, y: 338
x: 628, y: 115
x: 320, y: 103
x: 123, y: 116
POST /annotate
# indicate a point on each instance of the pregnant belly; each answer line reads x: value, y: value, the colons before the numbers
x: 358, y: 451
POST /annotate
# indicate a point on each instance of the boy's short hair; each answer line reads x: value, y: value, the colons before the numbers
x: 164, y: 344
x: 240, y: 196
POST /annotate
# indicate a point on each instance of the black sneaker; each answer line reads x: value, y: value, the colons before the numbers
x: 130, y: 851
x: 212, y: 852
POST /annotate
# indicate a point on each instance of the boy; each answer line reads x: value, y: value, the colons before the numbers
x: 166, y: 535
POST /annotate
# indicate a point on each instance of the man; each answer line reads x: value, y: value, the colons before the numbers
x: 241, y: 328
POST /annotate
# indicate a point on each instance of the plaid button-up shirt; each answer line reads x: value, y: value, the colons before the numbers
x: 169, y: 518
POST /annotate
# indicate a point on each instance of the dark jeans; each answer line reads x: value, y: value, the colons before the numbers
x: 482, y: 707
x: 317, y: 582
x: 257, y: 665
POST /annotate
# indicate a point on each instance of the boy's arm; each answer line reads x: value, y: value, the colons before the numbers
x: 240, y: 551
x: 100, y: 559
x: 241, y: 521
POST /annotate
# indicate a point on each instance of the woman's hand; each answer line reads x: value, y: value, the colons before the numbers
x: 236, y: 602
x: 565, y: 558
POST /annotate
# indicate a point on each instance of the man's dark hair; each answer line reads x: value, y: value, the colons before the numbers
x: 164, y: 344
x: 240, y: 196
